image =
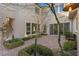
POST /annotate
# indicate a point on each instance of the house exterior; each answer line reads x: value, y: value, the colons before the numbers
x: 26, y: 17
x: 75, y: 25
x: 51, y: 23
x: 69, y: 21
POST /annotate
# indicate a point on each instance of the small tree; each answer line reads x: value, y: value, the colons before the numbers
x: 51, y: 6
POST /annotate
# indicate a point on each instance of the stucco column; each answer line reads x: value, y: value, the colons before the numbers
x: 78, y: 32
x: 78, y: 44
x: 71, y: 25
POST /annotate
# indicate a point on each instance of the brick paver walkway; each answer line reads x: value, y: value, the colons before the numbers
x: 49, y: 41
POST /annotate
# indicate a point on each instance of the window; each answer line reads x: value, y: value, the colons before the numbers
x: 38, y: 27
x: 56, y: 9
x: 34, y: 27
x: 56, y: 29
x: 45, y: 29
x: 27, y: 28
x: 67, y: 27
x: 64, y: 27
x: 61, y: 7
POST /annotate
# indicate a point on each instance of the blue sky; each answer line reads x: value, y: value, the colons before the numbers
x: 43, y: 4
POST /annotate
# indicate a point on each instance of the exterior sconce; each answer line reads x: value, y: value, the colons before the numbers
x: 71, y: 6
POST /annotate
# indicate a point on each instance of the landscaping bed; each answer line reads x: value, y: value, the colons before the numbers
x: 41, y: 50
x: 13, y: 43
x: 31, y: 37
x: 70, y: 45
x: 69, y: 48
x: 66, y: 53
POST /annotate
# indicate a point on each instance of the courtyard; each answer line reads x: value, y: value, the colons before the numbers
x: 48, y: 41
x: 18, y: 30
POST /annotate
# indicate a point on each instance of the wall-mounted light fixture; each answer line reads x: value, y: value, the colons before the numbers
x: 71, y: 8
x: 71, y: 5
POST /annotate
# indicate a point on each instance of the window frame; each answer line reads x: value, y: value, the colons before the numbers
x: 28, y: 30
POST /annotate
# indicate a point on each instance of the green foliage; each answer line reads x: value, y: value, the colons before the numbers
x: 69, y: 45
x: 27, y: 38
x: 31, y: 37
x: 43, y: 34
x: 67, y: 34
x: 45, y: 51
x: 23, y: 53
x: 13, y: 43
x: 42, y: 50
x: 65, y: 53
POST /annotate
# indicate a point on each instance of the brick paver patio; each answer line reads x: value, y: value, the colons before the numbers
x: 49, y: 41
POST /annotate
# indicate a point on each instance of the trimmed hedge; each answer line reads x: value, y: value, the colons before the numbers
x: 43, y: 34
x: 41, y: 50
x: 31, y: 37
x: 70, y: 45
x: 13, y: 43
x: 27, y: 38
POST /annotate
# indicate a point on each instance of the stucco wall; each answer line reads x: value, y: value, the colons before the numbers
x: 6, y: 12
x: 77, y: 32
x: 21, y: 16
x: 51, y: 20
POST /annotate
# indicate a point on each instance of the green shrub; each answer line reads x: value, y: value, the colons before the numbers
x: 42, y: 50
x: 27, y: 38
x: 23, y: 53
x: 31, y: 37
x: 69, y: 45
x: 43, y: 34
x: 13, y: 43
x: 67, y: 34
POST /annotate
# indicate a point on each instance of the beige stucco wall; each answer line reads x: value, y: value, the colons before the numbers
x: 5, y: 12
x: 21, y: 16
x: 77, y: 32
x: 51, y: 19
x: 76, y: 28
x: 24, y: 16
